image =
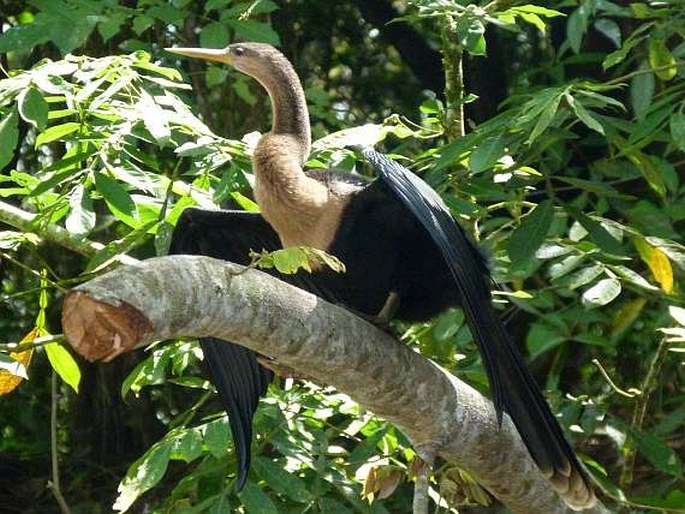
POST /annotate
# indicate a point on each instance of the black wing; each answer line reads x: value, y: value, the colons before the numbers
x: 234, y: 369
x: 514, y: 389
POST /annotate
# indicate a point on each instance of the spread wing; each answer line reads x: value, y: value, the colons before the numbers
x: 514, y: 389
x: 238, y: 377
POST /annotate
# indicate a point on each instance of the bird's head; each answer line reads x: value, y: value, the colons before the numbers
x: 249, y: 58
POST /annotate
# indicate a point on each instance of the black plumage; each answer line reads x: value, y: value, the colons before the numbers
x: 394, y: 234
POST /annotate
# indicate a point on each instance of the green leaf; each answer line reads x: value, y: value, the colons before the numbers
x: 23, y: 38
x: 64, y: 364
x: 33, y: 107
x: 251, y: 30
x: 282, y: 481
x: 602, y: 293
x: 548, y: 112
x: 672, y: 421
x: 167, y: 14
x: 658, y: 453
x: 600, y: 235
x: 487, y: 154
x: 584, y: 276
x: 256, y: 501
x: 534, y: 20
x: 187, y: 446
x: 154, y: 118
x: 641, y: 93
x: 56, y: 132
x: 586, y: 116
x: 110, y: 25
x: 214, y: 35
x: 610, y: 29
x: 530, y: 235
x: 632, y: 277
x: 660, y: 56
x: 577, y: 26
x: 218, y: 437
x: 541, y: 338
x: 143, y: 475
x: 470, y: 34
x: 117, y: 198
x: 141, y: 23
x: 537, y: 9
x: 9, y: 137
x: 677, y: 128
x: 81, y: 219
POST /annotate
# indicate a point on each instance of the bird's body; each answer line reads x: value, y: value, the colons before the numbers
x: 397, y: 240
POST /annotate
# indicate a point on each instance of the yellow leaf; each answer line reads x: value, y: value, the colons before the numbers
x: 8, y: 381
x: 658, y: 263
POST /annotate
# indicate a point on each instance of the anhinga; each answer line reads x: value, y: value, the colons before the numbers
x: 397, y: 240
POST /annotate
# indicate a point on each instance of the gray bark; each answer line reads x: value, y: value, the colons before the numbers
x: 189, y: 296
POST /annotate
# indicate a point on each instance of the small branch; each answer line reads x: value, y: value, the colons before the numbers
x: 53, y: 484
x: 192, y: 296
x: 25, y: 221
x: 649, y: 384
x: 453, y: 62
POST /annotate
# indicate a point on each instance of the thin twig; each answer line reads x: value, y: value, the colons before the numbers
x: 649, y: 384
x: 53, y: 484
x: 631, y: 393
x: 628, y: 76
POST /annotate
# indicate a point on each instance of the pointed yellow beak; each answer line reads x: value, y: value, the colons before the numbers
x: 208, y: 54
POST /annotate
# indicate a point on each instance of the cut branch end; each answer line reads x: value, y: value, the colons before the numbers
x: 100, y: 330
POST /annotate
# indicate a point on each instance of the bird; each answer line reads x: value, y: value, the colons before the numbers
x: 406, y: 258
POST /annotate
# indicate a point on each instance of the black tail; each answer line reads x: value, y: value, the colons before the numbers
x: 513, y: 387
x: 241, y: 381
x: 519, y: 396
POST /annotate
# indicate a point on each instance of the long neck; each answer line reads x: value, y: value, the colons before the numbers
x: 290, y: 114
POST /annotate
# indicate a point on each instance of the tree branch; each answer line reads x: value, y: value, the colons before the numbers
x: 192, y: 296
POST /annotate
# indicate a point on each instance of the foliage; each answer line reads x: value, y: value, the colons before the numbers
x: 574, y: 186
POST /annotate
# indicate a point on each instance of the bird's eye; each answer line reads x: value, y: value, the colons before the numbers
x: 239, y: 51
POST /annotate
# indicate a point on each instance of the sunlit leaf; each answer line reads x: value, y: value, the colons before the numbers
x: 9, y: 136
x: 143, y: 475
x: 64, y: 364
x: 677, y: 313
x: 661, y: 59
x: 602, y: 293
x: 658, y: 263
x: 33, y: 108
x: 56, y: 132
x: 81, y: 219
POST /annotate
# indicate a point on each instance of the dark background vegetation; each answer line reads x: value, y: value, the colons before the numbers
x: 570, y: 172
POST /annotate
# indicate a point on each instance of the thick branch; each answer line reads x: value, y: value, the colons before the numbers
x: 191, y: 296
